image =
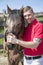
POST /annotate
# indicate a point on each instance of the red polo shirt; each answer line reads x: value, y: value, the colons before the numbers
x: 33, y: 30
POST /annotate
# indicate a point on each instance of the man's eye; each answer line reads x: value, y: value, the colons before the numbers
x: 25, y: 16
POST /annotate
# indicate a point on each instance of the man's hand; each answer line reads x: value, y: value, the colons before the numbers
x: 11, y: 38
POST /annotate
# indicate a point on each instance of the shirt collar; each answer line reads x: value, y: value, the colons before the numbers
x: 33, y: 22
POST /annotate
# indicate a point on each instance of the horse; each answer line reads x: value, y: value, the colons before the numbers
x: 15, y: 25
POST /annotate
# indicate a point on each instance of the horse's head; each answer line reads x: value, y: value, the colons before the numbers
x: 15, y: 22
x: 15, y: 25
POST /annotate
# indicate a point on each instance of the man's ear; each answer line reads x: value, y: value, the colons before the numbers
x: 9, y: 10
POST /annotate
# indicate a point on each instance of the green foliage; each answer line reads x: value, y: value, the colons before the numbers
x: 1, y: 29
x: 1, y: 41
x: 40, y: 18
x: 1, y: 32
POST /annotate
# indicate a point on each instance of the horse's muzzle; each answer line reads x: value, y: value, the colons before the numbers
x: 12, y: 62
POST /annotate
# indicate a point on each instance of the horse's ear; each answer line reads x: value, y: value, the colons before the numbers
x: 21, y: 10
x: 8, y: 9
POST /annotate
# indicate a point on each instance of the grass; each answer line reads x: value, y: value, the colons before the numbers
x: 1, y: 30
x: 1, y: 41
x: 39, y: 18
x: 1, y: 51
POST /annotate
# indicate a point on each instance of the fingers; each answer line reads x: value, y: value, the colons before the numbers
x: 11, y: 34
x: 11, y: 38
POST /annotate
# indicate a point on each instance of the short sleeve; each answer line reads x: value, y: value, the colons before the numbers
x: 39, y: 31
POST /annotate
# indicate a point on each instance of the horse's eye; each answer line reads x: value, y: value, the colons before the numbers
x: 19, y: 23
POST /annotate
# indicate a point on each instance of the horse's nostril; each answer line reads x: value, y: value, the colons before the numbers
x: 12, y: 62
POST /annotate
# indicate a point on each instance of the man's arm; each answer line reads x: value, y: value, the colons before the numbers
x: 28, y: 44
x: 31, y: 44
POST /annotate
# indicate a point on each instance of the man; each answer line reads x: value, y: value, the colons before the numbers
x: 32, y: 39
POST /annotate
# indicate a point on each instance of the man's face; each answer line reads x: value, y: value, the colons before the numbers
x: 28, y: 16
